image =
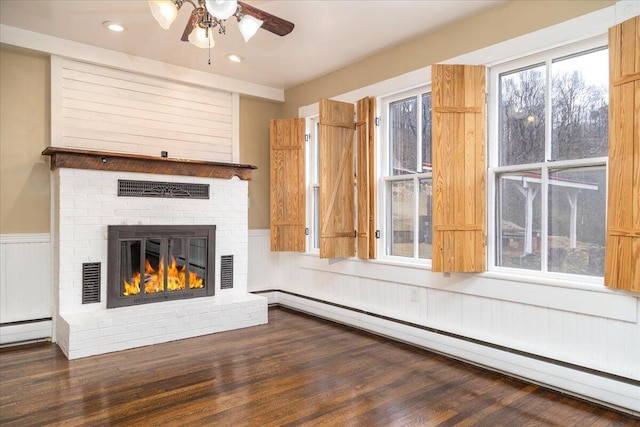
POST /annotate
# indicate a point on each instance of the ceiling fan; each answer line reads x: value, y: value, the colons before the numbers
x: 209, y: 14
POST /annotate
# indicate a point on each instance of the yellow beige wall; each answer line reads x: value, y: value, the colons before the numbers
x: 504, y: 22
x: 24, y: 133
x: 254, y: 150
x: 24, y: 180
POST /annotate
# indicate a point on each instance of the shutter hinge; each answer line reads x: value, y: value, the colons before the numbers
x: 377, y: 121
x: 307, y: 137
x: 306, y: 231
x: 377, y: 234
x: 355, y: 234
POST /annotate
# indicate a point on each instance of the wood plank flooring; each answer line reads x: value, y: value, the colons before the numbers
x: 296, y: 370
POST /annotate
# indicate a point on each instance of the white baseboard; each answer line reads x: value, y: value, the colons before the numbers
x: 602, y: 389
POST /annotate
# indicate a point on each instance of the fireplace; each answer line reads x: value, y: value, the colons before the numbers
x: 128, y: 216
x: 154, y: 263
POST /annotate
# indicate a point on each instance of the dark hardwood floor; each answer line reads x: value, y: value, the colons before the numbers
x: 297, y: 370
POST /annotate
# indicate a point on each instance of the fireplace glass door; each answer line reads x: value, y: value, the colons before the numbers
x: 158, y: 265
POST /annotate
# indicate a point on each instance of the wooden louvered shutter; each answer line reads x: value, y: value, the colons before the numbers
x: 337, y: 226
x: 365, y: 177
x: 459, y: 168
x: 622, y: 262
x: 287, y: 185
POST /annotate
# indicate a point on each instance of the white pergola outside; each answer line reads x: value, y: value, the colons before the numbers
x: 530, y: 187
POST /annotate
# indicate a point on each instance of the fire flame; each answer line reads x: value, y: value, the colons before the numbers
x: 154, y: 280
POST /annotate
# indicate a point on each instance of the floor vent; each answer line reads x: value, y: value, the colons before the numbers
x: 91, y: 282
x: 226, y: 272
x: 130, y: 188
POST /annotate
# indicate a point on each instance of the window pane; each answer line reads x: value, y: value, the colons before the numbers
x: 316, y: 151
x: 519, y: 219
x: 424, y: 218
x: 580, y: 106
x: 426, y: 132
x: 403, y: 136
x: 316, y: 218
x: 402, y: 218
x: 521, y: 116
x: 577, y: 200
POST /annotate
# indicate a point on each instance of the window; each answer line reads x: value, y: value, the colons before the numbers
x: 408, y: 180
x: 313, y: 182
x: 549, y: 163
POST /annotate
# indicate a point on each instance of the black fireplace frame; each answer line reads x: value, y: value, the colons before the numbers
x: 119, y: 233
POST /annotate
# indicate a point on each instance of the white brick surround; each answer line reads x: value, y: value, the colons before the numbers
x: 85, y: 202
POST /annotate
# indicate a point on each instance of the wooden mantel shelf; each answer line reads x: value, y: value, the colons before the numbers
x: 122, y: 162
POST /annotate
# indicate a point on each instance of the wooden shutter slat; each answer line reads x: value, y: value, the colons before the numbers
x: 458, y: 110
x: 459, y: 168
x: 626, y: 79
x: 365, y: 181
x: 343, y: 234
x: 624, y: 232
x: 337, y: 224
x: 622, y: 256
x: 287, y: 179
x: 469, y: 227
x: 340, y: 124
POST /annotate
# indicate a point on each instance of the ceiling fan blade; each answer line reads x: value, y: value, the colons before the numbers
x: 271, y: 22
x: 187, y: 30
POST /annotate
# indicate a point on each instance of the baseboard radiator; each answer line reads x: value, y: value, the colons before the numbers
x: 604, y: 388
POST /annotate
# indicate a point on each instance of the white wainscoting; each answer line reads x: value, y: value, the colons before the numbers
x: 561, y: 326
x: 25, y: 287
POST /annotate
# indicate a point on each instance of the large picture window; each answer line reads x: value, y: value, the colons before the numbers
x: 549, y: 167
x: 408, y: 178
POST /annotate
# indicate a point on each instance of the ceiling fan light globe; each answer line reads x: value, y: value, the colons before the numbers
x: 249, y: 25
x: 164, y: 11
x: 221, y: 9
x: 201, y: 39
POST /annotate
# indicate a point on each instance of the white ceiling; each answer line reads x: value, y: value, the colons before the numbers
x: 328, y: 34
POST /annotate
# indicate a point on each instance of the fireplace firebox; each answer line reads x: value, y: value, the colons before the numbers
x: 154, y: 263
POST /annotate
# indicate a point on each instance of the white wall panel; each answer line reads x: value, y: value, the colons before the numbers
x: 100, y: 108
x: 25, y: 277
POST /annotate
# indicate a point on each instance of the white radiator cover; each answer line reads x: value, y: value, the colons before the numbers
x: 25, y: 277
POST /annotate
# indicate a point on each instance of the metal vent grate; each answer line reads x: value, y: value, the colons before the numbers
x: 91, y: 282
x: 131, y: 188
x: 226, y: 272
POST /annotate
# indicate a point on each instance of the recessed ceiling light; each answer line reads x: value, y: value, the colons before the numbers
x: 113, y: 26
x: 234, y: 58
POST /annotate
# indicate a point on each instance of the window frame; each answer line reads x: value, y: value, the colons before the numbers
x: 312, y: 181
x: 385, y: 176
x: 546, y: 167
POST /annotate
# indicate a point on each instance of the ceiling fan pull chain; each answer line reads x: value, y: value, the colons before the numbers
x: 209, y: 43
